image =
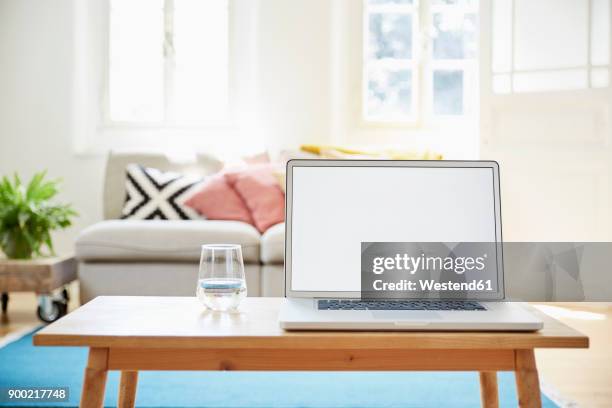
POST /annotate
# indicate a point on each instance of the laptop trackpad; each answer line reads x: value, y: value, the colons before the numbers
x: 399, y: 315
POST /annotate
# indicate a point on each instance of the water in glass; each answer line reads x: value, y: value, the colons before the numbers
x: 221, y: 282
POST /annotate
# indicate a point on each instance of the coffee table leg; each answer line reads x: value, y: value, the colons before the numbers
x: 94, y: 381
x: 127, y: 389
x: 488, y: 389
x: 527, y: 382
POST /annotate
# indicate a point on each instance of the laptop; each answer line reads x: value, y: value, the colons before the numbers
x: 359, y: 231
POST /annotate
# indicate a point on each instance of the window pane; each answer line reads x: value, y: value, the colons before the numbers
x: 389, y: 93
x: 136, y: 61
x: 550, y: 34
x: 600, y: 29
x: 448, y: 92
x: 201, y: 61
x: 454, y: 35
x: 390, y: 35
x: 502, y: 36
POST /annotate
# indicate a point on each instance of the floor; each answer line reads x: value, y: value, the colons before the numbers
x: 583, y: 376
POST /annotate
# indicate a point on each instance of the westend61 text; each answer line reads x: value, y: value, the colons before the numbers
x: 479, y: 285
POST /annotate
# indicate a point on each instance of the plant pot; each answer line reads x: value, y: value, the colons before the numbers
x: 17, y: 247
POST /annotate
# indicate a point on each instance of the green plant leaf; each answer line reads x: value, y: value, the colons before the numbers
x: 27, y: 216
x: 49, y: 242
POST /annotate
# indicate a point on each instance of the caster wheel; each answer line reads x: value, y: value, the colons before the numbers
x: 65, y: 295
x: 4, y: 300
x: 56, y: 310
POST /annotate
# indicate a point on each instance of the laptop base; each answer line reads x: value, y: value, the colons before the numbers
x: 303, y: 314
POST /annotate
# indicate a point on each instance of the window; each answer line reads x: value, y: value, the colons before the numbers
x: 420, y: 59
x: 168, y: 62
x: 550, y: 45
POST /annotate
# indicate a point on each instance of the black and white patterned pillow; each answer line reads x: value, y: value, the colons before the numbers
x: 154, y: 194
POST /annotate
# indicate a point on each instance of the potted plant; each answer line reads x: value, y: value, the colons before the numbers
x: 27, y: 217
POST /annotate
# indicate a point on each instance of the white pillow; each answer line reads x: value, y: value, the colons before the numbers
x: 154, y: 194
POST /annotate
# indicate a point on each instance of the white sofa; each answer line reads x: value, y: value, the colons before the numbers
x: 155, y: 257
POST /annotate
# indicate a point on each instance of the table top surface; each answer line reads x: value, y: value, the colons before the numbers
x: 182, y: 322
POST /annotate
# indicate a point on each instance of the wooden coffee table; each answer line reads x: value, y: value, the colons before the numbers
x: 132, y: 334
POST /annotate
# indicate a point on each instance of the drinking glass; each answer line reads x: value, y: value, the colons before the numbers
x: 221, y: 283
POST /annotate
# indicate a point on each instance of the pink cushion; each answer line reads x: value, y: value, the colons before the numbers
x: 258, y: 187
x: 217, y: 200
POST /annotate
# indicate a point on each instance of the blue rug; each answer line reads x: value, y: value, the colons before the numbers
x: 22, y: 364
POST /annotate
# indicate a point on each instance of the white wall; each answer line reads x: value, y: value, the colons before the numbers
x: 36, y: 44
x: 294, y: 85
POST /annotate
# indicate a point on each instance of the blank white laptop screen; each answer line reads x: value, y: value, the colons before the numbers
x: 334, y: 209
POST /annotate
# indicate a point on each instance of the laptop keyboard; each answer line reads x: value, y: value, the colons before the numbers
x: 353, y: 304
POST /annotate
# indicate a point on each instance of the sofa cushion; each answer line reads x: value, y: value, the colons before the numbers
x: 273, y: 245
x: 217, y: 200
x: 114, y: 179
x: 155, y: 240
x: 155, y: 194
x: 261, y: 192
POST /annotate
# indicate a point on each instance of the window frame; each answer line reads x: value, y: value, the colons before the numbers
x: 228, y: 123
x: 423, y: 66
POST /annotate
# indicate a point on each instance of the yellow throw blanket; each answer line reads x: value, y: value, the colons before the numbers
x: 335, y: 152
